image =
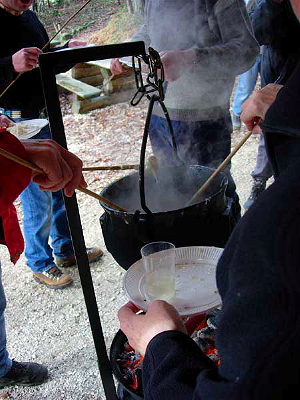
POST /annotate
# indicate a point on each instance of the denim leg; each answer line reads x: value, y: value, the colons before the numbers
x: 42, y: 217
x: 161, y: 140
x: 245, y: 86
x: 60, y: 233
x: 37, y: 210
x: 5, y: 361
x: 199, y: 143
x: 262, y: 167
x: 205, y: 143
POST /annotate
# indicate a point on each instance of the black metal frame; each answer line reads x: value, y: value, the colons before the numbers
x: 48, y: 63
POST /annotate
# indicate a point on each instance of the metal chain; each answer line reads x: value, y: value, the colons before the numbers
x: 155, y: 78
x: 154, y: 91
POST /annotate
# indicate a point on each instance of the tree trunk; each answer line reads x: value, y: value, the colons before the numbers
x: 136, y: 6
x: 139, y: 6
x: 130, y: 6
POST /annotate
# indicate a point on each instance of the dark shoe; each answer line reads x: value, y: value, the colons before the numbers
x: 236, y: 122
x: 94, y: 254
x: 25, y: 374
x: 54, y: 278
x: 259, y: 185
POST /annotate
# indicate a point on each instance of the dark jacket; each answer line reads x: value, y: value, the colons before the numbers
x: 258, y: 277
x: 277, y: 29
x: 19, y: 32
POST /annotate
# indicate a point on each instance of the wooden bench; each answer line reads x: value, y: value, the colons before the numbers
x: 81, y: 89
x: 94, y: 86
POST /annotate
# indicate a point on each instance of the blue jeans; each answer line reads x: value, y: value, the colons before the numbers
x: 5, y: 361
x: 262, y: 167
x: 44, y: 217
x: 198, y: 143
x: 245, y: 86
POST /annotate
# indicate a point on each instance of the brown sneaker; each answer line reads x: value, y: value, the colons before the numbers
x: 94, y: 254
x: 54, y: 278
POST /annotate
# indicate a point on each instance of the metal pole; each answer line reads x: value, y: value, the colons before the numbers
x: 48, y: 63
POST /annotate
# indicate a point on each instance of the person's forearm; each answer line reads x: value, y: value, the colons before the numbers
x: 171, y: 367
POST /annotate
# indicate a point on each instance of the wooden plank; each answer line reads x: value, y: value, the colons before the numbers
x: 83, y: 106
x: 107, y: 62
x: 95, y: 80
x: 81, y: 89
x: 82, y: 70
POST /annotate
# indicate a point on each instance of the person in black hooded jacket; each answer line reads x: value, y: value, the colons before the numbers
x: 275, y: 28
x: 258, y: 278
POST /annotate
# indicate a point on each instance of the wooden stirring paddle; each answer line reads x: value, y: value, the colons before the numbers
x: 33, y: 167
x: 112, y: 167
x: 218, y: 170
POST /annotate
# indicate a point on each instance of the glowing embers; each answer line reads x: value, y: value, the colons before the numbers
x: 203, y: 328
x: 204, y: 335
x: 130, y: 364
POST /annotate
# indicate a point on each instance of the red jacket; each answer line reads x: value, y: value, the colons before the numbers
x: 14, y: 178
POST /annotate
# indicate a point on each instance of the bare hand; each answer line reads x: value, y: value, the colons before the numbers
x: 140, y: 329
x: 26, y: 59
x: 256, y: 106
x: 77, y: 43
x: 5, y: 122
x: 117, y: 68
x: 62, y: 169
x: 175, y: 63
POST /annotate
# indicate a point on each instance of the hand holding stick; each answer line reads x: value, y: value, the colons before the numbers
x: 33, y: 167
x: 47, y: 44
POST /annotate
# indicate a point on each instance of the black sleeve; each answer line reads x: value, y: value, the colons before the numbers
x: 283, y: 116
x: 171, y: 367
x: 265, y: 18
x: 7, y: 72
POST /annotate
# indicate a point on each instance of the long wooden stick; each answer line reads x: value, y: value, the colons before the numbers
x: 35, y: 168
x: 112, y: 167
x: 47, y: 44
x: 66, y: 23
x: 219, y: 169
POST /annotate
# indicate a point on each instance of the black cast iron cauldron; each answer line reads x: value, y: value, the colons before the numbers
x: 209, y: 222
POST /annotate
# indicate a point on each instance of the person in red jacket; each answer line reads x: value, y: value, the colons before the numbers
x: 62, y: 170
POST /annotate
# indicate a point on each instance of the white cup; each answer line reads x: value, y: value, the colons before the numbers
x: 159, y: 268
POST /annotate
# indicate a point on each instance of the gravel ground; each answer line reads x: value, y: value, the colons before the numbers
x: 51, y: 326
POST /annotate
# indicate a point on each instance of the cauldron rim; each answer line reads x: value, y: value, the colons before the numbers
x: 222, y: 188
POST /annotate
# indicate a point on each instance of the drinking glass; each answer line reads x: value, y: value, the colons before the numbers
x: 159, y: 266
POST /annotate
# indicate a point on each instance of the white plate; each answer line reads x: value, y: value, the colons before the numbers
x: 28, y: 128
x: 195, y: 281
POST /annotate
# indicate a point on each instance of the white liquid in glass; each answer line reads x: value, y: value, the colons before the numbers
x: 160, y: 287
